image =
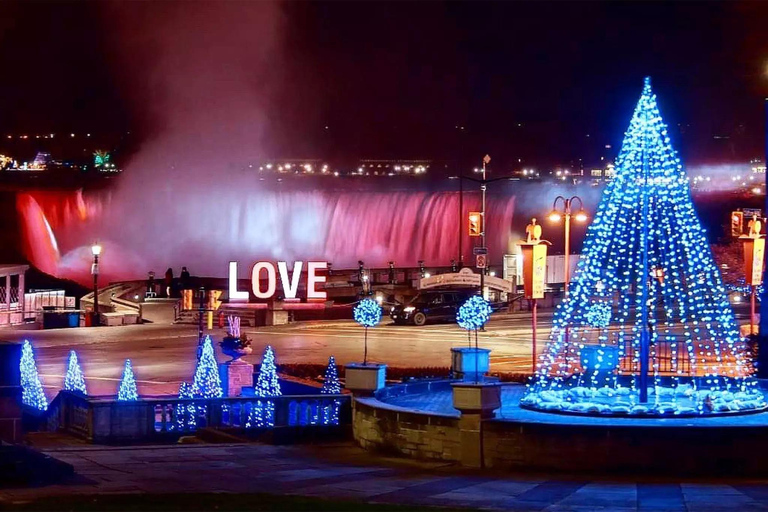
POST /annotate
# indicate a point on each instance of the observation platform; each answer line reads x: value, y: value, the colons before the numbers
x: 418, y: 420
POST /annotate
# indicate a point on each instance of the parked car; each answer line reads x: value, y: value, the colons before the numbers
x: 432, y: 305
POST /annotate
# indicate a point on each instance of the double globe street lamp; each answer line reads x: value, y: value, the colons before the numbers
x: 567, y: 212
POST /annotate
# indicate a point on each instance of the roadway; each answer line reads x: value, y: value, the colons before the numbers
x: 164, y: 355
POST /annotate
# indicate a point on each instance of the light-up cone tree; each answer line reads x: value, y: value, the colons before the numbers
x: 207, y: 382
x: 368, y: 314
x: 32, y: 394
x: 331, y: 386
x: 74, y: 380
x: 127, y: 391
x: 646, y: 327
x: 262, y: 412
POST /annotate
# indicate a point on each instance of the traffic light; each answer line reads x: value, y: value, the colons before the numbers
x: 737, y: 224
x: 475, y: 224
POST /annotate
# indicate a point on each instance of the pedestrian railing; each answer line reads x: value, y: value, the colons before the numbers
x: 153, y: 419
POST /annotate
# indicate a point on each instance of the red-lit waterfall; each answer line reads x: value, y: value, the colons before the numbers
x: 58, y: 229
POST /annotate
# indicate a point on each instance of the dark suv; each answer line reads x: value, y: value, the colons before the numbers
x: 430, y: 305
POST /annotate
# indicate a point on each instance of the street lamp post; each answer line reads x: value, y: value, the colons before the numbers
x: 96, y: 251
x: 483, y: 188
x: 567, y: 212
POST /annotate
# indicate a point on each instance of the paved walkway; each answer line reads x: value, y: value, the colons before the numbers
x: 343, y: 471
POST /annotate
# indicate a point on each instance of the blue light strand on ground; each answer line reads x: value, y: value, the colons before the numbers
x: 32, y: 393
x: 127, y: 391
x: 592, y: 365
x: 74, y: 380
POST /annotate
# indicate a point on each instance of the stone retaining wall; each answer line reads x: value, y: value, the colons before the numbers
x: 389, y: 430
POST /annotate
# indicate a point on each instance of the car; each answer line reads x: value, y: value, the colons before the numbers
x: 432, y: 305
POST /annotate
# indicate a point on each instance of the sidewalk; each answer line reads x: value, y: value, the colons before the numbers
x: 345, y: 472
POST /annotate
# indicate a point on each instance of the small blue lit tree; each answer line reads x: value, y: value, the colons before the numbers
x: 207, y: 382
x: 646, y: 327
x: 32, y: 393
x: 474, y: 314
x: 127, y: 391
x: 368, y: 314
x: 262, y: 413
x: 74, y: 380
x: 331, y: 386
x: 185, y: 413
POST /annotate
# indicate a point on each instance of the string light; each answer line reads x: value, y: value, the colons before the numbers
x: 207, y: 383
x: 592, y: 362
x: 474, y: 313
x: 31, y: 389
x: 262, y: 412
x: 331, y: 386
x: 368, y: 314
x: 127, y: 391
x: 74, y: 380
x: 185, y: 413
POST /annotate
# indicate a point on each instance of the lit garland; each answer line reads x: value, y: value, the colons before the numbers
x: 368, y: 314
x: 331, y: 386
x: 74, y: 380
x: 207, y: 383
x: 474, y: 313
x: 593, y: 367
x: 32, y: 393
x: 127, y: 391
x: 262, y: 412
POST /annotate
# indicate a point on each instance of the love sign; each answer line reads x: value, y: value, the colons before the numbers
x: 289, y: 280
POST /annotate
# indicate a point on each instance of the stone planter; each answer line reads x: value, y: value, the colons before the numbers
x: 230, y: 347
x: 365, y: 379
x: 469, y: 364
x: 477, y: 398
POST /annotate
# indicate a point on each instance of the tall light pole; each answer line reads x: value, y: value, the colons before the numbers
x: 483, y: 188
x: 567, y: 212
x: 96, y: 251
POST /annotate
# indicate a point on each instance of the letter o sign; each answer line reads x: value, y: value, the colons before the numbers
x: 256, y: 280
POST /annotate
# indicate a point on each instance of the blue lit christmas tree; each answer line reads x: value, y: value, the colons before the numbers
x: 207, y: 383
x: 331, y: 386
x: 646, y: 327
x: 31, y: 389
x: 262, y: 413
x: 127, y: 391
x: 74, y: 380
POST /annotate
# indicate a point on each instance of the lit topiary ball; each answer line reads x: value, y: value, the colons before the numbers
x: 599, y: 315
x: 474, y: 313
x: 367, y: 313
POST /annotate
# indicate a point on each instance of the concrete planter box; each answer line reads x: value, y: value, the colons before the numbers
x: 365, y: 378
x: 470, y: 363
x: 477, y: 398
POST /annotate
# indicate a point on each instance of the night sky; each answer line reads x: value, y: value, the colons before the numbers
x: 546, y: 83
